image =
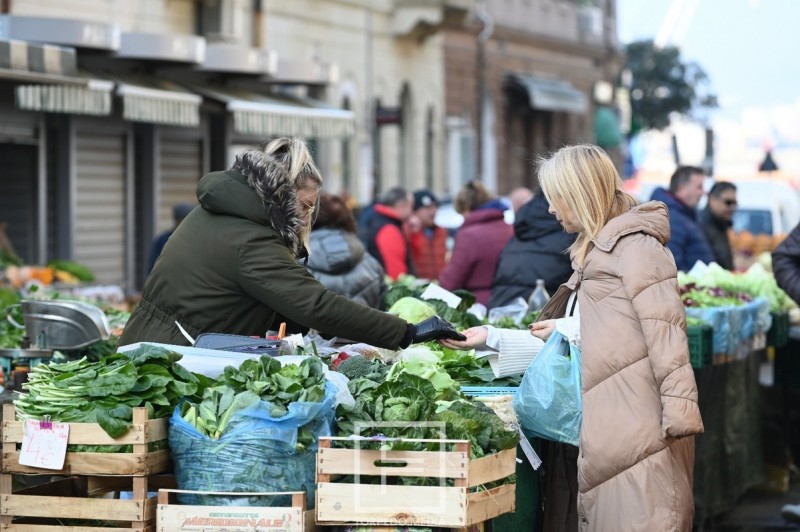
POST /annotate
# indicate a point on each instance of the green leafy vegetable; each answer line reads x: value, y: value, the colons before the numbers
x: 257, y: 380
x: 412, y: 310
x: 106, y: 391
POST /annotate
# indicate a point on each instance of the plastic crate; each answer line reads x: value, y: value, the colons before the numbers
x: 701, y: 345
x: 489, y: 391
x: 778, y: 334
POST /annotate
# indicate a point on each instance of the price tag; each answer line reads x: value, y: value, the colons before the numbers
x: 44, y: 444
x: 530, y: 454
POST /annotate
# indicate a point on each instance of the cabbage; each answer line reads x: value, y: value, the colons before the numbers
x: 420, y: 352
x: 412, y: 310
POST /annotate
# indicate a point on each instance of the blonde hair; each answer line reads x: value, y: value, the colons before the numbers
x: 472, y: 196
x: 584, y: 178
x: 293, y: 154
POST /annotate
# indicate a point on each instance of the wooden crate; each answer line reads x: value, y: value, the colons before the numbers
x: 176, y: 517
x: 51, y: 506
x: 456, y: 506
x: 140, y: 462
x: 83, y: 485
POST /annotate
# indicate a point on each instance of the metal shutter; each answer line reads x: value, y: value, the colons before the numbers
x: 99, y: 234
x: 181, y: 169
x: 18, y: 198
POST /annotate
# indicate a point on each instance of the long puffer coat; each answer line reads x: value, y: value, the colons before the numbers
x: 339, y: 261
x: 640, y: 411
x: 231, y: 267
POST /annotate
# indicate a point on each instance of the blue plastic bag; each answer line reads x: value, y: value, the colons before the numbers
x: 548, y: 402
x: 258, y: 453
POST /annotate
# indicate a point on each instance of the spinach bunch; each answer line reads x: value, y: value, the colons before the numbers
x: 106, y: 391
x: 257, y: 380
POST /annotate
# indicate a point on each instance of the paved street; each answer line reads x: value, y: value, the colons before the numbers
x: 759, y: 511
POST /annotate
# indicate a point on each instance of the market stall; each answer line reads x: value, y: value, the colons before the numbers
x: 276, y: 433
x: 744, y: 317
x: 252, y: 429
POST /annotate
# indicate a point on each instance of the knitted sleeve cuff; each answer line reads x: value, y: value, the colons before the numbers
x: 517, y: 350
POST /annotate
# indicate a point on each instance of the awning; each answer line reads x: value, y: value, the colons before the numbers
x: 158, y: 101
x: 93, y: 98
x: 256, y: 114
x: 56, y: 86
x: 551, y: 94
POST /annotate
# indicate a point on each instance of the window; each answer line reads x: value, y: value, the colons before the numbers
x: 220, y: 20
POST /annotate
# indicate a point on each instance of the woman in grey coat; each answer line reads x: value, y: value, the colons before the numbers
x: 338, y: 258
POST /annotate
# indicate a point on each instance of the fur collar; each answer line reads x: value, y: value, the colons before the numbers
x: 271, y: 182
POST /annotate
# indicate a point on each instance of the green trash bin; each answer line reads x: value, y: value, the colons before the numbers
x: 527, y: 515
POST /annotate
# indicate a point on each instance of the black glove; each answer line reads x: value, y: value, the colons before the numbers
x: 435, y: 328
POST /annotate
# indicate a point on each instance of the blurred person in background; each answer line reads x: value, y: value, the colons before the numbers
x: 687, y: 241
x: 337, y: 257
x: 231, y: 267
x: 519, y: 197
x: 383, y: 232
x: 538, y: 250
x: 179, y: 212
x: 427, y: 240
x: 786, y: 267
x: 717, y: 218
x: 478, y: 243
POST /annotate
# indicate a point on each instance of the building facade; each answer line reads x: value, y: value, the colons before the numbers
x: 389, y: 57
x: 521, y: 80
x: 110, y: 111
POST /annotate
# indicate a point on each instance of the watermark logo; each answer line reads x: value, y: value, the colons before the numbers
x: 390, y: 467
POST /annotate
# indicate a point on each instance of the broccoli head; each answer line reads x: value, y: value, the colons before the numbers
x: 356, y: 367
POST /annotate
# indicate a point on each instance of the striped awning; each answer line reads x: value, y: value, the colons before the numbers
x: 49, y: 80
x: 172, y: 106
x: 93, y: 99
x: 273, y: 115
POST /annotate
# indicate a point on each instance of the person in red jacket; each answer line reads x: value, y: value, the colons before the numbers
x: 384, y: 235
x: 428, y: 241
x: 478, y: 242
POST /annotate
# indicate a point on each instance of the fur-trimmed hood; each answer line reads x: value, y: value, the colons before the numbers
x: 272, y: 202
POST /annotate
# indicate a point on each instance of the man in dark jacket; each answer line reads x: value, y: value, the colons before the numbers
x: 786, y: 264
x: 717, y: 218
x: 687, y: 242
x: 538, y: 250
x: 786, y: 267
x: 232, y: 265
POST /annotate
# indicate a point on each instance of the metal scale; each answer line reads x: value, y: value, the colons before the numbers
x: 54, y: 325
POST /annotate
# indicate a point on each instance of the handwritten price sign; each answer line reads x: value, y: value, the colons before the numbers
x: 44, y: 444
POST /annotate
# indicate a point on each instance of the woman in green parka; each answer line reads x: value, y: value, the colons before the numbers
x: 232, y: 265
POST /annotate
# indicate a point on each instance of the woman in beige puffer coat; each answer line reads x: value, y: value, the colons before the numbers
x: 640, y: 409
